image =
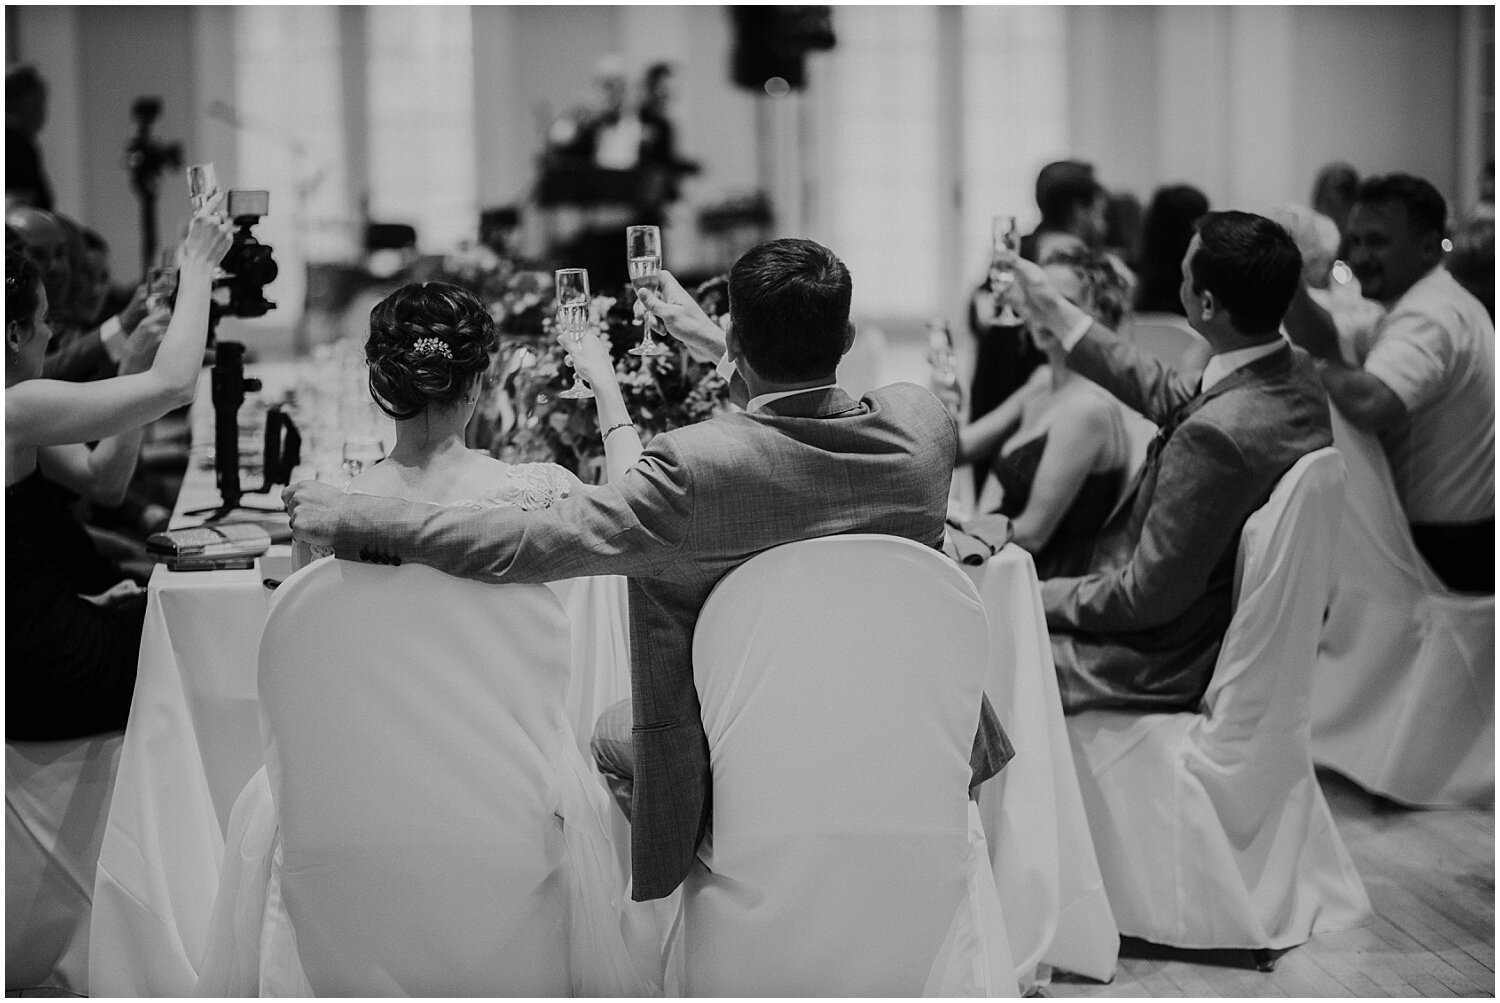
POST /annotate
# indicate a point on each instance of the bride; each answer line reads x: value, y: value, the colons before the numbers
x: 429, y: 347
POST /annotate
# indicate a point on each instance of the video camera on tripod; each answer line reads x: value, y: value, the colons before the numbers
x: 248, y: 263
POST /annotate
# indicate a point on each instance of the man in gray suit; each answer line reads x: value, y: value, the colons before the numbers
x: 804, y: 460
x: 1143, y: 628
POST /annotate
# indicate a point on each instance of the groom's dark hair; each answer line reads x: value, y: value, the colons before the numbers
x: 789, y: 302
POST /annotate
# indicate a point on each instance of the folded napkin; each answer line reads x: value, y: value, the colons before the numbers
x: 976, y: 540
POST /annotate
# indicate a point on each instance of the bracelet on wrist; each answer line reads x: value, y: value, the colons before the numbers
x: 613, y: 428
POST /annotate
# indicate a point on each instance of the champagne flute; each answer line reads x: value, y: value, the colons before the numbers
x: 573, y: 303
x: 643, y: 250
x: 161, y: 283
x: 1004, y: 249
x: 203, y: 184
x: 362, y: 451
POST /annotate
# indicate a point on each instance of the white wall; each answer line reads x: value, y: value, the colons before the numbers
x: 1248, y: 102
x: 1245, y: 102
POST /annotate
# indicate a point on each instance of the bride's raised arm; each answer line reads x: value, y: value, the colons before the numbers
x: 622, y: 443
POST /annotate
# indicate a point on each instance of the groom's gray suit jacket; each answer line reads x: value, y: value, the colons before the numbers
x: 1143, y: 629
x: 701, y: 501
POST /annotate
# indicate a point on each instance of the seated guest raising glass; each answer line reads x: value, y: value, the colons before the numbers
x: 429, y: 347
x: 1062, y: 448
x: 71, y: 656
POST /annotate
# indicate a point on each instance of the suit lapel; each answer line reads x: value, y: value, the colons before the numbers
x: 829, y: 403
x: 1276, y: 363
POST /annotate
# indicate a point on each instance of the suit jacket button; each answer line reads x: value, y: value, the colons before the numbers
x: 396, y: 560
x: 364, y: 553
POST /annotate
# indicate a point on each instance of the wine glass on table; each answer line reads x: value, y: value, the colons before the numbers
x: 573, y: 303
x: 643, y: 249
x: 1004, y: 249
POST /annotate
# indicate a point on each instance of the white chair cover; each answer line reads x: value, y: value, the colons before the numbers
x: 1403, y: 701
x: 425, y: 824
x: 840, y: 682
x: 56, y: 802
x: 1211, y: 828
x: 1164, y: 337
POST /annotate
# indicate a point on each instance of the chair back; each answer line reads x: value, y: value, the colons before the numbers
x: 412, y: 723
x: 840, y: 682
x: 1399, y: 651
x: 1164, y: 337
x: 1255, y: 712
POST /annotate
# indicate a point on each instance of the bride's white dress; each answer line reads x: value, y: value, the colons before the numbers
x: 251, y: 946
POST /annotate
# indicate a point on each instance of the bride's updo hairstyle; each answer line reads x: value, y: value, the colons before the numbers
x: 428, y: 340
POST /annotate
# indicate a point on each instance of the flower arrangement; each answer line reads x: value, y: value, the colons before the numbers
x: 521, y: 417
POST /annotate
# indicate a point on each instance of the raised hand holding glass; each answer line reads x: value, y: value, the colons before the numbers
x: 1004, y: 249
x: 573, y: 318
x: 643, y: 252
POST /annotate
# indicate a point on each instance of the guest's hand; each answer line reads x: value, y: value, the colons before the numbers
x: 141, y: 346
x: 683, y: 317
x: 589, y: 354
x: 135, y: 310
x: 208, y: 237
x: 120, y: 592
x: 314, y: 509
x: 1033, y: 294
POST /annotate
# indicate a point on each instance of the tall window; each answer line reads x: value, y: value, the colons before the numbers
x: 288, y: 107
x: 880, y: 138
x: 931, y: 121
x: 1015, y: 113
x: 421, y: 122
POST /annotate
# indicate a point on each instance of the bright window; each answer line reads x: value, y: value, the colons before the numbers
x: 422, y: 163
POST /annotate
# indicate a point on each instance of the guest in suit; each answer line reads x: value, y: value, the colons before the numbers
x: 804, y: 460
x: 1143, y: 626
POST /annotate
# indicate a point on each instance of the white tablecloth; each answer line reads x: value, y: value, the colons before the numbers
x: 193, y: 740
x: 1055, y: 907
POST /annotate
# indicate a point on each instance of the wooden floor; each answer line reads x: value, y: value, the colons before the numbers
x: 1431, y: 878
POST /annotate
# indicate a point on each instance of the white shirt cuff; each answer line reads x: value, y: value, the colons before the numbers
x: 112, y: 336
x: 1076, y: 332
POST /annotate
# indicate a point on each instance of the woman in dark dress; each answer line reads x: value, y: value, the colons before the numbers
x: 1062, y: 447
x: 72, y: 640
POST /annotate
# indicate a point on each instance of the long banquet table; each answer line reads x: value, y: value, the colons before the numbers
x: 193, y: 740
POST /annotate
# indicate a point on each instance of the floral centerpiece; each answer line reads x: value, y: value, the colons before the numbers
x: 521, y: 418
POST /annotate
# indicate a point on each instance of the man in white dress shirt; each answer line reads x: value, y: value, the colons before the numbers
x: 1427, y: 387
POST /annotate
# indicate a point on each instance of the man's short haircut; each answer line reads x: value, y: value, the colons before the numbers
x: 789, y: 303
x: 1250, y: 264
x: 1063, y: 185
x: 1426, y: 209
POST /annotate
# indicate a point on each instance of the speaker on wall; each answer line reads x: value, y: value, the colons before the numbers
x: 773, y: 41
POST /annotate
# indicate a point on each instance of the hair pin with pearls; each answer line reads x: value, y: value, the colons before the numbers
x: 432, y: 346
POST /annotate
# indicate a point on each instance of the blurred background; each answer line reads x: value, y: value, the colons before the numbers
x: 891, y: 134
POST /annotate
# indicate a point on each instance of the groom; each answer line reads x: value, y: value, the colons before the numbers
x: 804, y: 460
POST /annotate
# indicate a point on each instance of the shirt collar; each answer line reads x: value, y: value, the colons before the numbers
x: 756, y: 403
x: 1224, y: 363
